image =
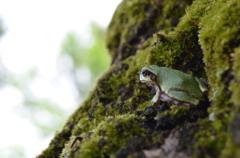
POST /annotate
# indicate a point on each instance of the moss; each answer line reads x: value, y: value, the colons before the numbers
x: 131, y: 27
x: 117, y: 119
x: 208, y: 143
x: 218, y: 40
x: 179, y: 48
x: 234, y: 85
x: 216, y: 43
x: 109, y: 135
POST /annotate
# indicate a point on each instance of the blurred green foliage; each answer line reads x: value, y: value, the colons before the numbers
x: 44, y: 113
x: 19, y: 151
x: 1, y: 28
x: 89, y: 53
x: 93, y: 57
x: 2, y: 68
x: 37, y: 110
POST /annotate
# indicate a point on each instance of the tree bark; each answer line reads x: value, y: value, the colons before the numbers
x: 200, y: 37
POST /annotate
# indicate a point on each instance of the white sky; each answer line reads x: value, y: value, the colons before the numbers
x: 33, y: 36
x: 35, y: 28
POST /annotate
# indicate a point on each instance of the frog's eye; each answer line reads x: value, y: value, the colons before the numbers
x: 145, y: 73
x: 149, y: 74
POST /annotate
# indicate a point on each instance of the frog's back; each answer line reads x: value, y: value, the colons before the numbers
x: 170, y: 79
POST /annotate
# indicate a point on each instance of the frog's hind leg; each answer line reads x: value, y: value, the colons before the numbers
x: 182, y: 97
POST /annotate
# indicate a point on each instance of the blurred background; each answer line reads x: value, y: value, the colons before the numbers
x: 51, y: 53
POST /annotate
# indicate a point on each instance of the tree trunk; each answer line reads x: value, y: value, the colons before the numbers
x: 117, y: 119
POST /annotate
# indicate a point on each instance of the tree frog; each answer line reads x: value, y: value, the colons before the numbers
x: 173, y: 86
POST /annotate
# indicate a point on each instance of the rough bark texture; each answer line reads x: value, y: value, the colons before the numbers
x: 117, y: 119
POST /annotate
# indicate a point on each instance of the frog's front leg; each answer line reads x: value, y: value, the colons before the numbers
x: 157, y: 97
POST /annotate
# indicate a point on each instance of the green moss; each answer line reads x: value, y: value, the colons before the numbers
x: 111, y: 112
x: 131, y: 27
x: 234, y: 85
x: 175, y: 112
x: 180, y: 45
x: 230, y: 150
x: 218, y: 40
x: 108, y: 136
x: 209, y: 143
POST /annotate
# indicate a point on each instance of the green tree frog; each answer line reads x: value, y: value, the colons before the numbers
x: 173, y: 86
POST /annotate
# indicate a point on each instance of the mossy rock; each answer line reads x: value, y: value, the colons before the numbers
x: 200, y: 37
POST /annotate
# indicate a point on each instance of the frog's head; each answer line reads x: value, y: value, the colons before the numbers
x: 148, y: 75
